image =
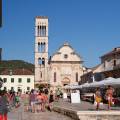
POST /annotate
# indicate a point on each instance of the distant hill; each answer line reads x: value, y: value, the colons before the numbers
x: 16, y: 64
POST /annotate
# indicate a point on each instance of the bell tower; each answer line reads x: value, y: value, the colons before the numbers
x: 41, y: 49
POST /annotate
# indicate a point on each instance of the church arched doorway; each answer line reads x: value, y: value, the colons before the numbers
x: 65, y: 81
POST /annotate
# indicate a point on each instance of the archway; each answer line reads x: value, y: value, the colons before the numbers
x: 65, y: 81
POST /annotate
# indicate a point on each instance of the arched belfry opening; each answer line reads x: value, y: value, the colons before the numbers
x: 41, y: 47
x: 41, y: 30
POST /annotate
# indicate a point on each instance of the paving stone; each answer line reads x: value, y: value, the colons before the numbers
x: 18, y: 115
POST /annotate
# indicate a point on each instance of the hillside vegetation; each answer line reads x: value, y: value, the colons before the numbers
x: 16, y: 64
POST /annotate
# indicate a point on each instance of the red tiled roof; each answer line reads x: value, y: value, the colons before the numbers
x: 114, y: 51
x: 17, y: 72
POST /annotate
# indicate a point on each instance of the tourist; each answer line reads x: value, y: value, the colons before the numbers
x: 98, y: 98
x: 46, y: 90
x: 32, y: 100
x: 39, y: 102
x: 26, y: 101
x: 58, y: 92
x: 44, y: 100
x: 3, y: 105
x: 109, y: 96
x: 17, y: 100
x: 51, y: 100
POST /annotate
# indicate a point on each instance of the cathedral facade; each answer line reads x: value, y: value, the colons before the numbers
x: 64, y: 67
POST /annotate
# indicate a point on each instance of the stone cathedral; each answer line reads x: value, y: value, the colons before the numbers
x: 64, y: 67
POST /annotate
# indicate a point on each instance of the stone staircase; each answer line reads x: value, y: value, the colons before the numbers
x: 98, y: 115
x: 89, y: 115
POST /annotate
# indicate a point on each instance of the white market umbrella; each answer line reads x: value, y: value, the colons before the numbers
x: 113, y: 81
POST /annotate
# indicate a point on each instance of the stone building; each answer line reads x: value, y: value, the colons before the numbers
x: 64, y: 67
x: 17, y: 79
x: 109, y: 67
x: 111, y: 63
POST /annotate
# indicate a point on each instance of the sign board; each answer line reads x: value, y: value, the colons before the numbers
x: 64, y: 95
x: 75, y: 97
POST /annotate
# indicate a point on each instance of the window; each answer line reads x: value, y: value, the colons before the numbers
x: 54, y: 76
x: 19, y: 80
x: 28, y: 88
x: 104, y: 64
x: 114, y: 63
x: 12, y: 80
x: 19, y: 89
x: 4, y: 80
x: 12, y: 88
x: 40, y: 61
x: 43, y: 61
x: 41, y: 74
x: 28, y: 80
x: 76, y: 77
x: 65, y: 56
x: 5, y: 88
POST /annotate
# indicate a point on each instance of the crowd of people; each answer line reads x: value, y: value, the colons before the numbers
x: 42, y: 100
x: 38, y: 101
x: 33, y: 101
x: 8, y: 100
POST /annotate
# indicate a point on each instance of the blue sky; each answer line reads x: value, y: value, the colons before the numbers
x: 92, y: 27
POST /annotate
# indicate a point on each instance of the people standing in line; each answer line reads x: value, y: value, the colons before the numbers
x: 109, y: 96
x: 98, y: 98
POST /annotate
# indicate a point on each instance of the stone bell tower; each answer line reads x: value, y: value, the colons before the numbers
x: 41, y: 50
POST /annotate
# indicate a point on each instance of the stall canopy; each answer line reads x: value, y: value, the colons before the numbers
x: 106, y: 82
x: 72, y: 86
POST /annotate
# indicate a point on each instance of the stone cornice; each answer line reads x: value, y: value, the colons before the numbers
x: 68, y: 62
